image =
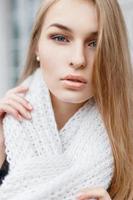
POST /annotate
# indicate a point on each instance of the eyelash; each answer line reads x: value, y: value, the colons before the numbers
x: 56, y: 38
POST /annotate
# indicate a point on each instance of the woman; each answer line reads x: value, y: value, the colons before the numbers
x: 80, y: 80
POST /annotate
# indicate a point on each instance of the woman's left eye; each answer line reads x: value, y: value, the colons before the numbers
x: 93, y: 44
x: 60, y: 38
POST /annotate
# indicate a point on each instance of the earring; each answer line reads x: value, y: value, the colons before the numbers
x: 38, y: 59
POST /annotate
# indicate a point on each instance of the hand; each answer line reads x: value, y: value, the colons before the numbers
x: 14, y: 103
x: 2, y: 146
x: 93, y: 194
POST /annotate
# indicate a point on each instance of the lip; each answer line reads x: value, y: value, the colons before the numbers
x: 75, y: 78
x: 74, y: 82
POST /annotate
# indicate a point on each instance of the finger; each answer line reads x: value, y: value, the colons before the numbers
x: 19, y: 108
x: 95, y: 193
x: 8, y: 109
x: 19, y: 89
x: 2, y: 112
x: 22, y: 101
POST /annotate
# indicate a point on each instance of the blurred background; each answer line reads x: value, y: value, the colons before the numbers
x: 16, y: 19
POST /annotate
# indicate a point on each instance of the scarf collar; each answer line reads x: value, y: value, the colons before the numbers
x: 44, y: 160
x: 39, y: 96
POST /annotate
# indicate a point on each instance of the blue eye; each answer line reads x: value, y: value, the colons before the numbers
x: 60, y: 38
x: 93, y: 44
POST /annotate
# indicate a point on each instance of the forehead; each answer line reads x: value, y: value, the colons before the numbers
x: 78, y: 15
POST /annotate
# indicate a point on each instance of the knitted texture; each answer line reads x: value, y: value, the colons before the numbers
x: 48, y: 164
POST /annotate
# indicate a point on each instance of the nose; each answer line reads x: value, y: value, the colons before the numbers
x: 78, y: 58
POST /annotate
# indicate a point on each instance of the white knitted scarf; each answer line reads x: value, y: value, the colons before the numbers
x: 48, y: 164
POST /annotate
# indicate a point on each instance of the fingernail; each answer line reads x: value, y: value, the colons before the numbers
x: 28, y: 115
x: 29, y: 106
x: 20, y: 118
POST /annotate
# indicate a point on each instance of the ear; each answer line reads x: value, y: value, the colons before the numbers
x: 37, y: 50
x: 37, y: 54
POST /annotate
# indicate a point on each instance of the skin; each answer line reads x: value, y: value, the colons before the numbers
x: 2, y: 146
x: 13, y: 103
x: 56, y: 49
x: 77, y: 46
x: 93, y: 194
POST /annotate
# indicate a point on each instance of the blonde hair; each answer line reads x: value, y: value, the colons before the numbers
x: 113, y: 84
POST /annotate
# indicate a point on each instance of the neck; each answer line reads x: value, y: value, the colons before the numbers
x: 63, y: 111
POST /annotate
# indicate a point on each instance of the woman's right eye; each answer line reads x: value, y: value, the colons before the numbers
x: 60, y: 38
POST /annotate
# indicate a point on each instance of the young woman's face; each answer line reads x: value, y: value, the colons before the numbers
x: 66, y: 49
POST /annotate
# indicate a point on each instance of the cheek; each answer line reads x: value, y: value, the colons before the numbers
x: 47, y: 59
x: 50, y: 60
x: 46, y: 55
x: 91, y: 56
x: 51, y: 67
x: 52, y: 51
x: 90, y: 68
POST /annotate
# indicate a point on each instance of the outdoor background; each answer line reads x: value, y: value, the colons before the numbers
x: 16, y: 18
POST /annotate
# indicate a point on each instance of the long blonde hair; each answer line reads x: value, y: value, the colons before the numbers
x: 113, y: 84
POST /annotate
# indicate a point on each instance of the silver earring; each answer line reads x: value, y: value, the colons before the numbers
x: 37, y: 58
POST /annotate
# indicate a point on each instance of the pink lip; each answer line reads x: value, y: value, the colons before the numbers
x: 75, y: 78
x: 74, y: 82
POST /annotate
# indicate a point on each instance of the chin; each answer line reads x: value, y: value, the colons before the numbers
x: 69, y: 97
x: 73, y: 100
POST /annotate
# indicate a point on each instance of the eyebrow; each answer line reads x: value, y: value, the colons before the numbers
x: 65, y: 28
x: 60, y: 26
